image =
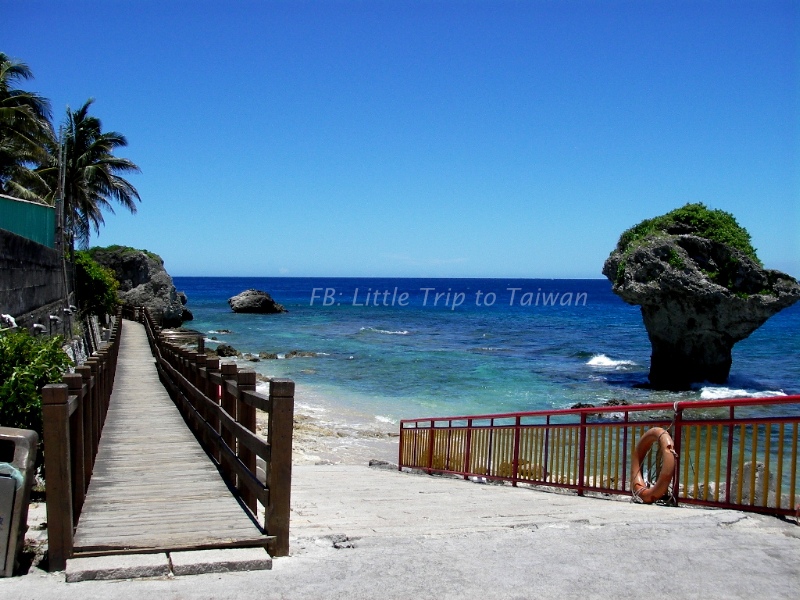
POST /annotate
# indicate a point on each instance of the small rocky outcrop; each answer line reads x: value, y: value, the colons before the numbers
x: 143, y: 281
x: 226, y: 350
x: 255, y: 301
x: 701, y: 289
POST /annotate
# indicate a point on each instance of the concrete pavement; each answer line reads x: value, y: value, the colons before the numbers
x: 369, y: 533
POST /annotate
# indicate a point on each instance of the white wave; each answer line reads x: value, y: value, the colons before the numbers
x: 604, y: 362
x: 717, y: 393
x: 382, y: 419
x: 384, y: 331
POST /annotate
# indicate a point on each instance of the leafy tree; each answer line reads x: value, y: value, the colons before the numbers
x: 95, y: 286
x: 25, y: 133
x: 27, y: 364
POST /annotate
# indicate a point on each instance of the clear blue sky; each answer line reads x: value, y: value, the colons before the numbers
x: 453, y: 139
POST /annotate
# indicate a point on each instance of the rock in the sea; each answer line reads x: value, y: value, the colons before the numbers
x: 186, y: 315
x: 143, y: 281
x: 255, y: 301
x: 300, y: 354
x: 225, y: 350
x: 182, y: 297
x: 701, y: 289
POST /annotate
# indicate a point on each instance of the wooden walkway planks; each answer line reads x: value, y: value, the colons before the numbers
x: 153, y: 486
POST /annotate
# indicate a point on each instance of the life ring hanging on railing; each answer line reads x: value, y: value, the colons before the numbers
x: 639, y: 488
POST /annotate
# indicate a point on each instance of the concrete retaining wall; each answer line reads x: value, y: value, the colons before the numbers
x: 31, y: 281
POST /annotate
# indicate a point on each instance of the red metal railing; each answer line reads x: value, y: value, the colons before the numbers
x: 738, y: 453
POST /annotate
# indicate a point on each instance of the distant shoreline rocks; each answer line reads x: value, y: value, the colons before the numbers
x: 255, y: 301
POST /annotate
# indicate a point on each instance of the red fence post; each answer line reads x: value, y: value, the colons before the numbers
x: 515, y: 459
x: 430, y: 448
x: 468, y: 451
x: 676, y: 477
x: 582, y: 455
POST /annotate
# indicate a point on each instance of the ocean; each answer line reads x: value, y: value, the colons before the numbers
x: 385, y: 349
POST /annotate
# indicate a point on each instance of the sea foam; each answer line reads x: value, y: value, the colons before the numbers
x: 717, y: 393
x: 383, y: 331
x: 604, y: 362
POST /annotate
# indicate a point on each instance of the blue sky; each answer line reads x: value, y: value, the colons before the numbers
x: 446, y: 139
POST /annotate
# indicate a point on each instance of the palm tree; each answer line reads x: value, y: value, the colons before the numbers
x: 25, y: 133
x: 91, y: 174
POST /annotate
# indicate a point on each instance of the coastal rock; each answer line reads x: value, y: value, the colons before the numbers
x: 182, y: 297
x: 226, y: 350
x: 255, y: 301
x: 186, y: 315
x: 698, y: 297
x: 300, y: 354
x: 143, y: 281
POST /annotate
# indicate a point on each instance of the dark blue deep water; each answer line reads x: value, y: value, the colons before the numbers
x: 403, y: 348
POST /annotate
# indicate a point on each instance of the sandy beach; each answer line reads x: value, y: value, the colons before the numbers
x: 333, y: 435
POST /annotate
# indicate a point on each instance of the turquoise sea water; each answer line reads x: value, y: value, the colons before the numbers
x: 403, y: 348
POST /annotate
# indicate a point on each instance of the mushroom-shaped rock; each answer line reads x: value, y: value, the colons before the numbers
x: 701, y: 289
x: 255, y: 301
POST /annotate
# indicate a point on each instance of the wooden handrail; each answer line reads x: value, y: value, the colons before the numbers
x: 73, y: 413
x: 219, y: 403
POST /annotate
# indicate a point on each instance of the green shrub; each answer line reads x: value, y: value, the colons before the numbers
x: 27, y: 364
x: 675, y: 259
x: 696, y: 219
x: 95, y: 286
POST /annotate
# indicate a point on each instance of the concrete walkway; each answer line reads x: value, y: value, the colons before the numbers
x: 367, y: 533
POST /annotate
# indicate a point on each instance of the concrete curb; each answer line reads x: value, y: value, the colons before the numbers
x: 220, y: 561
x: 135, y: 566
x: 127, y: 566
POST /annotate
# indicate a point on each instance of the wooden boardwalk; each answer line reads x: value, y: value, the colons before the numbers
x: 153, y: 487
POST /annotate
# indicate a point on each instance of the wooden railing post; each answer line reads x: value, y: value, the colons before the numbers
x: 228, y: 402
x: 212, y: 391
x: 279, y: 473
x: 97, y: 402
x: 77, y: 437
x: 246, y: 416
x: 55, y: 416
x: 90, y: 448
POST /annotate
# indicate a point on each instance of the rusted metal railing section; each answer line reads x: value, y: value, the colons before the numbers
x: 739, y: 453
x: 73, y: 414
x: 219, y: 403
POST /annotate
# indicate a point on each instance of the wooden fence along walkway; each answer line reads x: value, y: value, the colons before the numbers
x: 124, y: 467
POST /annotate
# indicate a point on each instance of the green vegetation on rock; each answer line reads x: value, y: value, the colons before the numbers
x: 695, y: 219
x: 123, y: 251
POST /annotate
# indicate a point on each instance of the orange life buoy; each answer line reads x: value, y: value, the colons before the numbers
x: 665, y: 448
